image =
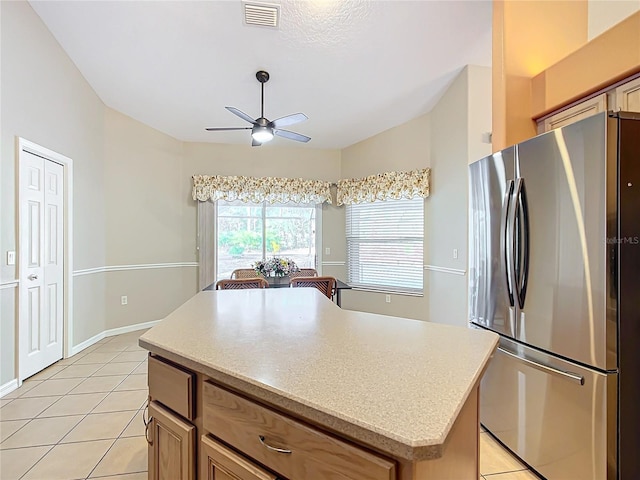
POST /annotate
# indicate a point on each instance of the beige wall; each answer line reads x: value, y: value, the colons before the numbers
x: 479, y: 112
x: 463, y: 115
x: 145, y: 223
x: 405, y: 147
x: 446, y: 139
x: 527, y: 38
x: 616, y: 52
x: 544, y: 55
x: 604, y: 14
x: 47, y: 101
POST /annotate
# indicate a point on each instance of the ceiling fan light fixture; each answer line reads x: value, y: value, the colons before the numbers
x: 262, y: 134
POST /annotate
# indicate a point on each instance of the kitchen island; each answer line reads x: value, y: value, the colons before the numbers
x: 283, y: 384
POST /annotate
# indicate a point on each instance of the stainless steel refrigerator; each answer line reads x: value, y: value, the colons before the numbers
x: 554, y: 268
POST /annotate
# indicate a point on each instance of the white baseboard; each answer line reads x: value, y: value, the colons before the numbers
x: 8, y: 387
x: 110, y: 333
x: 130, y: 328
x: 11, y: 385
x: 86, y: 344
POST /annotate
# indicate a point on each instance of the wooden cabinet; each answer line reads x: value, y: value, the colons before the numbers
x: 627, y: 96
x: 218, y: 462
x: 285, y: 445
x: 577, y: 112
x: 171, y: 438
x: 230, y: 435
x: 172, y: 386
x: 171, y: 445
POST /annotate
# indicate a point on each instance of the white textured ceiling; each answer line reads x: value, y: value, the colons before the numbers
x: 354, y: 67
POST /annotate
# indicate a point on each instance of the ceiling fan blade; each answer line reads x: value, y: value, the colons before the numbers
x: 228, y: 128
x: 241, y: 114
x: 291, y: 135
x: 255, y: 144
x: 289, y: 120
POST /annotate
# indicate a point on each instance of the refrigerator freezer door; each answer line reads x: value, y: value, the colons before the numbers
x: 565, y: 307
x: 551, y: 413
x: 491, y: 302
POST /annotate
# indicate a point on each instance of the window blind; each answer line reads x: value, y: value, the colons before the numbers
x: 385, y: 245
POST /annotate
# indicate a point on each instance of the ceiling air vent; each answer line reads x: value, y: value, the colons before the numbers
x: 261, y: 14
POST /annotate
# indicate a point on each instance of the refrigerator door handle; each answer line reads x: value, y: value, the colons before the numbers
x: 520, y: 241
x: 505, y: 253
x: 545, y: 368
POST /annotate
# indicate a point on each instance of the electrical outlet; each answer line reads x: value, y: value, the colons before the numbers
x: 123, y: 300
x: 11, y: 258
x: 327, y: 251
x: 387, y: 298
x: 455, y: 253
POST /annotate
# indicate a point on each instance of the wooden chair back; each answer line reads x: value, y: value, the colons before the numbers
x: 326, y: 285
x: 244, y: 273
x: 304, y: 272
x: 241, y: 283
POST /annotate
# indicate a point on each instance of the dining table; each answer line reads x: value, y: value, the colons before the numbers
x: 285, y: 282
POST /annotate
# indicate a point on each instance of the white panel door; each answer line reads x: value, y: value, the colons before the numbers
x: 41, y: 263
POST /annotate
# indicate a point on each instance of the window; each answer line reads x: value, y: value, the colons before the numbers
x: 384, y: 245
x: 247, y: 232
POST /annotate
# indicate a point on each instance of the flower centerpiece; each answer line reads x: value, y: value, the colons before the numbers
x: 275, y: 267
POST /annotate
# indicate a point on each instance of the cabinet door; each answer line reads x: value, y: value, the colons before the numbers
x: 171, y: 445
x: 218, y: 462
x: 628, y: 96
x: 577, y: 112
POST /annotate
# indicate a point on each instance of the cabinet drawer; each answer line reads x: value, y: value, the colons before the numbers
x: 218, y: 462
x: 172, y: 386
x: 284, y: 445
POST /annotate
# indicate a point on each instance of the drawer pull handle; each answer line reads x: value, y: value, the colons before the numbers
x: 146, y: 431
x: 275, y: 449
x: 146, y: 422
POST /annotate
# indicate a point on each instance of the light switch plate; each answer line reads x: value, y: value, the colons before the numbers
x: 327, y: 251
x: 11, y: 258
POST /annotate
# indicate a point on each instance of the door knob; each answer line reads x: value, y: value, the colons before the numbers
x: 32, y: 277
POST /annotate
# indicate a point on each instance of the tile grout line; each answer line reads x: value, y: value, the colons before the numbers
x: 70, y: 415
x: 119, y: 436
x: 38, y: 461
x: 84, y: 416
x: 111, y: 446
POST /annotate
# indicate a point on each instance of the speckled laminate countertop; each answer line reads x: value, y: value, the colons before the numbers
x: 394, y: 383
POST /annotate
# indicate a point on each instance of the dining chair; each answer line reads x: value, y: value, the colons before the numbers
x: 241, y: 283
x: 244, y: 273
x: 304, y: 272
x: 326, y: 285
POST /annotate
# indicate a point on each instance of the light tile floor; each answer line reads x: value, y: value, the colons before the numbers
x: 81, y: 418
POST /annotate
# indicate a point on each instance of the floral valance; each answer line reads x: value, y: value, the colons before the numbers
x: 384, y: 186
x: 256, y: 190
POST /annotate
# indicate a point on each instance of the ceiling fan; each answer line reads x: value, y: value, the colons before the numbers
x: 264, y: 129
